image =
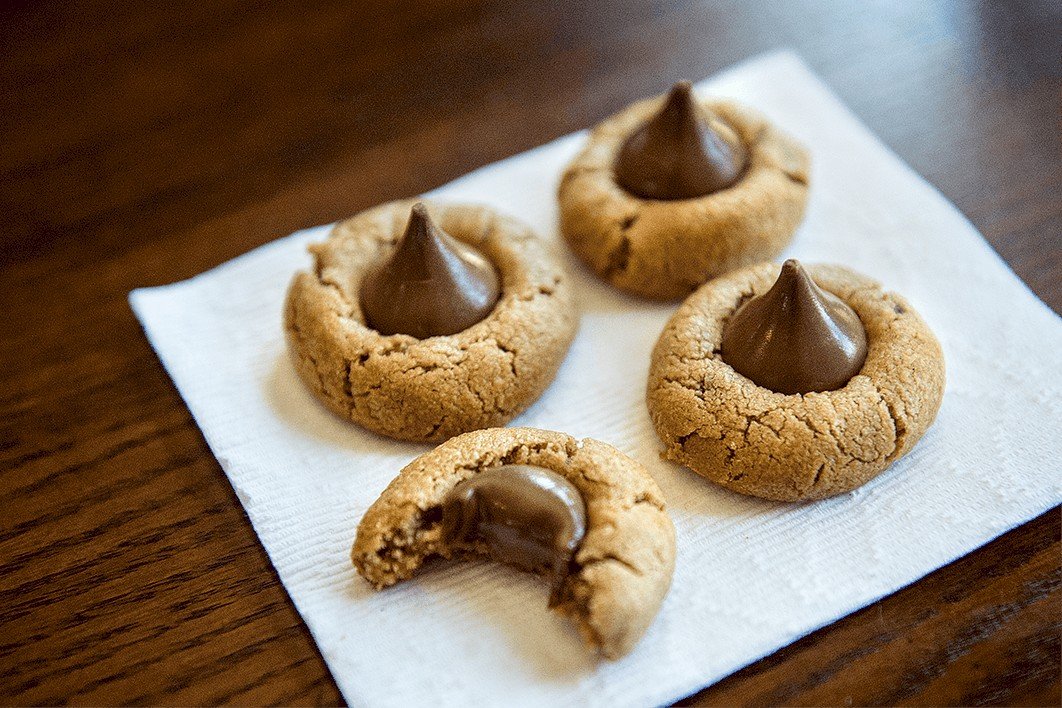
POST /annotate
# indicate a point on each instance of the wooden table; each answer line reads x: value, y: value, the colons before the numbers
x: 142, y: 145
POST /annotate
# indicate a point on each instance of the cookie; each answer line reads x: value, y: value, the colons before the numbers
x: 434, y: 388
x: 620, y: 571
x: 793, y: 447
x: 665, y: 248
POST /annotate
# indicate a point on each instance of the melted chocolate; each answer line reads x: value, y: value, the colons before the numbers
x: 682, y: 152
x: 528, y: 516
x: 796, y: 337
x: 431, y: 285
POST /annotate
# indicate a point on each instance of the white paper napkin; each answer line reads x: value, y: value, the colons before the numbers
x: 751, y: 575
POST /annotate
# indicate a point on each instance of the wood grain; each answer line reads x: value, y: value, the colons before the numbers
x: 145, y: 142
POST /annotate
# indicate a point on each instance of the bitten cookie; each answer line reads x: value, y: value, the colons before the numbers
x: 756, y: 441
x: 433, y: 388
x: 612, y: 586
x: 664, y: 248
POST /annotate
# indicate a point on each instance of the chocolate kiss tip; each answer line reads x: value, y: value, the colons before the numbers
x: 419, y: 220
x: 682, y: 88
x: 791, y: 269
x: 681, y: 96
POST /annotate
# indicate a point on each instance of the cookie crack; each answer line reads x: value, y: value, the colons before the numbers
x: 421, y: 369
x: 759, y: 419
x: 506, y: 349
x: 583, y: 565
x: 516, y: 454
x: 529, y: 449
x: 681, y: 440
x: 645, y: 498
x: 836, y: 437
x: 818, y: 475
x: 899, y: 430
x: 688, y: 385
x: 438, y: 426
x: 347, y: 386
x: 607, y: 483
x: 368, y: 391
x: 318, y: 272
x: 619, y: 258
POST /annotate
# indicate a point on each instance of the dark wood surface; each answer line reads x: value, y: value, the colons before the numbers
x: 145, y: 142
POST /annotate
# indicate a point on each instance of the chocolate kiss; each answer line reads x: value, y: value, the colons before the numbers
x: 527, y: 516
x: 796, y: 337
x: 431, y: 285
x: 680, y: 153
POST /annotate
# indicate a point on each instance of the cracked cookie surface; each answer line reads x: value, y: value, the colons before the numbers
x: 801, y: 446
x: 666, y: 249
x: 621, y: 570
x: 430, y: 389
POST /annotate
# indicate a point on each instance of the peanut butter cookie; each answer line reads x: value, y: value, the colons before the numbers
x: 793, y: 446
x: 430, y: 388
x: 599, y: 530
x: 675, y: 190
